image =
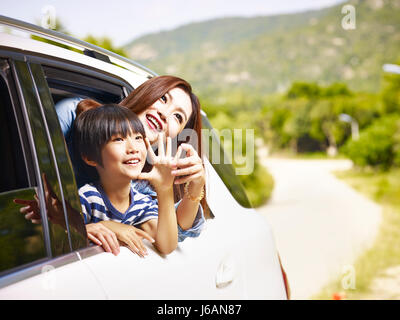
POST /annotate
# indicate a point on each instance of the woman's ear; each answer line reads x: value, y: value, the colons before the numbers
x: 89, y: 162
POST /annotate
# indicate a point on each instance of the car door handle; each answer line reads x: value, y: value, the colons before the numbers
x: 225, y: 274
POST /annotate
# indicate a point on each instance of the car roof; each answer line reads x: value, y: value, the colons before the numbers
x: 125, y: 68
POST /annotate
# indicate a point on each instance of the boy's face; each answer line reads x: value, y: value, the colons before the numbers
x: 123, y: 157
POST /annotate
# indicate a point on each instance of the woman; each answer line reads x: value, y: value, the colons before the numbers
x: 164, y: 104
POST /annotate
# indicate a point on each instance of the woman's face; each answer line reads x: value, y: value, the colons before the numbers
x: 169, y: 114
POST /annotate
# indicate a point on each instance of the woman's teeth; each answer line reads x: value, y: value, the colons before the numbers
x: 154, y: 122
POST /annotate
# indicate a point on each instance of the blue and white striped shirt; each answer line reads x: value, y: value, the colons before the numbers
x: 145, y: 187
x: 97, y: 207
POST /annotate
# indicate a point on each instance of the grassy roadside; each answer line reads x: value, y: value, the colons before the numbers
x: 383, y: 188
x: 287, y: 154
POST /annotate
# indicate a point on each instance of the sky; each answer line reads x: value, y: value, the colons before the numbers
x: 125, y: 20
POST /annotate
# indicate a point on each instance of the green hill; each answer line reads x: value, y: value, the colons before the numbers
x: 266, y: 54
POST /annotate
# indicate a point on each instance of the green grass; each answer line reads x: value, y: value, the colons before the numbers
x: 383, y: 188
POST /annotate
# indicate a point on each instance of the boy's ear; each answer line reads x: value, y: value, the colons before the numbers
x: 89, y: 162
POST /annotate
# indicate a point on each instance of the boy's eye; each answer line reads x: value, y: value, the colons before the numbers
x: 117, y: 139
x: 139, y: 137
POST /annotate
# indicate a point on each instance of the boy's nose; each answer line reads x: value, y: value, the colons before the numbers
x: 131, y: 146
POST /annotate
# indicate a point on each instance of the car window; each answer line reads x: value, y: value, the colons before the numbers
x: 226, y: 172
x: 21, y: 241
x: 70, y: 197
x: 51, y: 189
x: 70, y: 84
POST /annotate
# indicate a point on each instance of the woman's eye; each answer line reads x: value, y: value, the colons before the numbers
x: 179, y: 117
x: 118, y: 139
x: 139, y: 137
x: 164, y: 98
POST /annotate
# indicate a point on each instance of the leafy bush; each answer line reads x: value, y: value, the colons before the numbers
x: 258, y: 185
x: 377, y: 145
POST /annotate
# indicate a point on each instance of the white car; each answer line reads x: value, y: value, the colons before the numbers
x: 234, y: 257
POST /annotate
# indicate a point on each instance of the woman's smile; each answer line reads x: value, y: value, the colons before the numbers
x: 154, y: 123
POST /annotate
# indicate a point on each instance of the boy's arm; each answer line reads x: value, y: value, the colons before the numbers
x: 166, y: 238
x: 165, y: 229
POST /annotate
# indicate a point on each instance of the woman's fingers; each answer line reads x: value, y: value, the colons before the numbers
x: 188, y: 178
x: 176, y: 157
x: 189, y: 161
x: 189, y: 149
x: 188, y: 170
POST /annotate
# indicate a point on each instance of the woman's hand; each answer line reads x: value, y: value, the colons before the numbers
x: 103, y: 236
x: 160, y: 176
x: 189, y: 169
x: 129, y: 236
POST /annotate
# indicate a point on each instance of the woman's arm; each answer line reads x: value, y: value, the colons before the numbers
x: 189, y: 170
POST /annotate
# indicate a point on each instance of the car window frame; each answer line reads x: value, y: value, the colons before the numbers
x: 24, y: 271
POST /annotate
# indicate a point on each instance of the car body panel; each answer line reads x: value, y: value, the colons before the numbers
x: 72, y: 280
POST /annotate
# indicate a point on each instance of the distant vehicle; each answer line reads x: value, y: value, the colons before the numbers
x: 234, y: 258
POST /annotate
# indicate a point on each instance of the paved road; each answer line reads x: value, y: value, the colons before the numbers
x: 320, y: 224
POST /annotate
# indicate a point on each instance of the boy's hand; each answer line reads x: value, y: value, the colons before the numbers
x: 103, y: 236
x: 160, y: 176
x: 31, y: 209
x: 129, y: 236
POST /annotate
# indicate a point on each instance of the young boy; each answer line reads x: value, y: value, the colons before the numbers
x: 111, y: 139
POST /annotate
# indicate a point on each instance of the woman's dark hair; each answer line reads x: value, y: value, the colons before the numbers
x: 95, y: 126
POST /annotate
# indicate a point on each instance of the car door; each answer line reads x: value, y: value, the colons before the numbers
x: 37, y: 260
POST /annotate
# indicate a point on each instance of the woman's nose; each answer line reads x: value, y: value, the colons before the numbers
x: 163, y: 115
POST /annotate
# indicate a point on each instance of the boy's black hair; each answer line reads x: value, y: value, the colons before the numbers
x: 93, y: 128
